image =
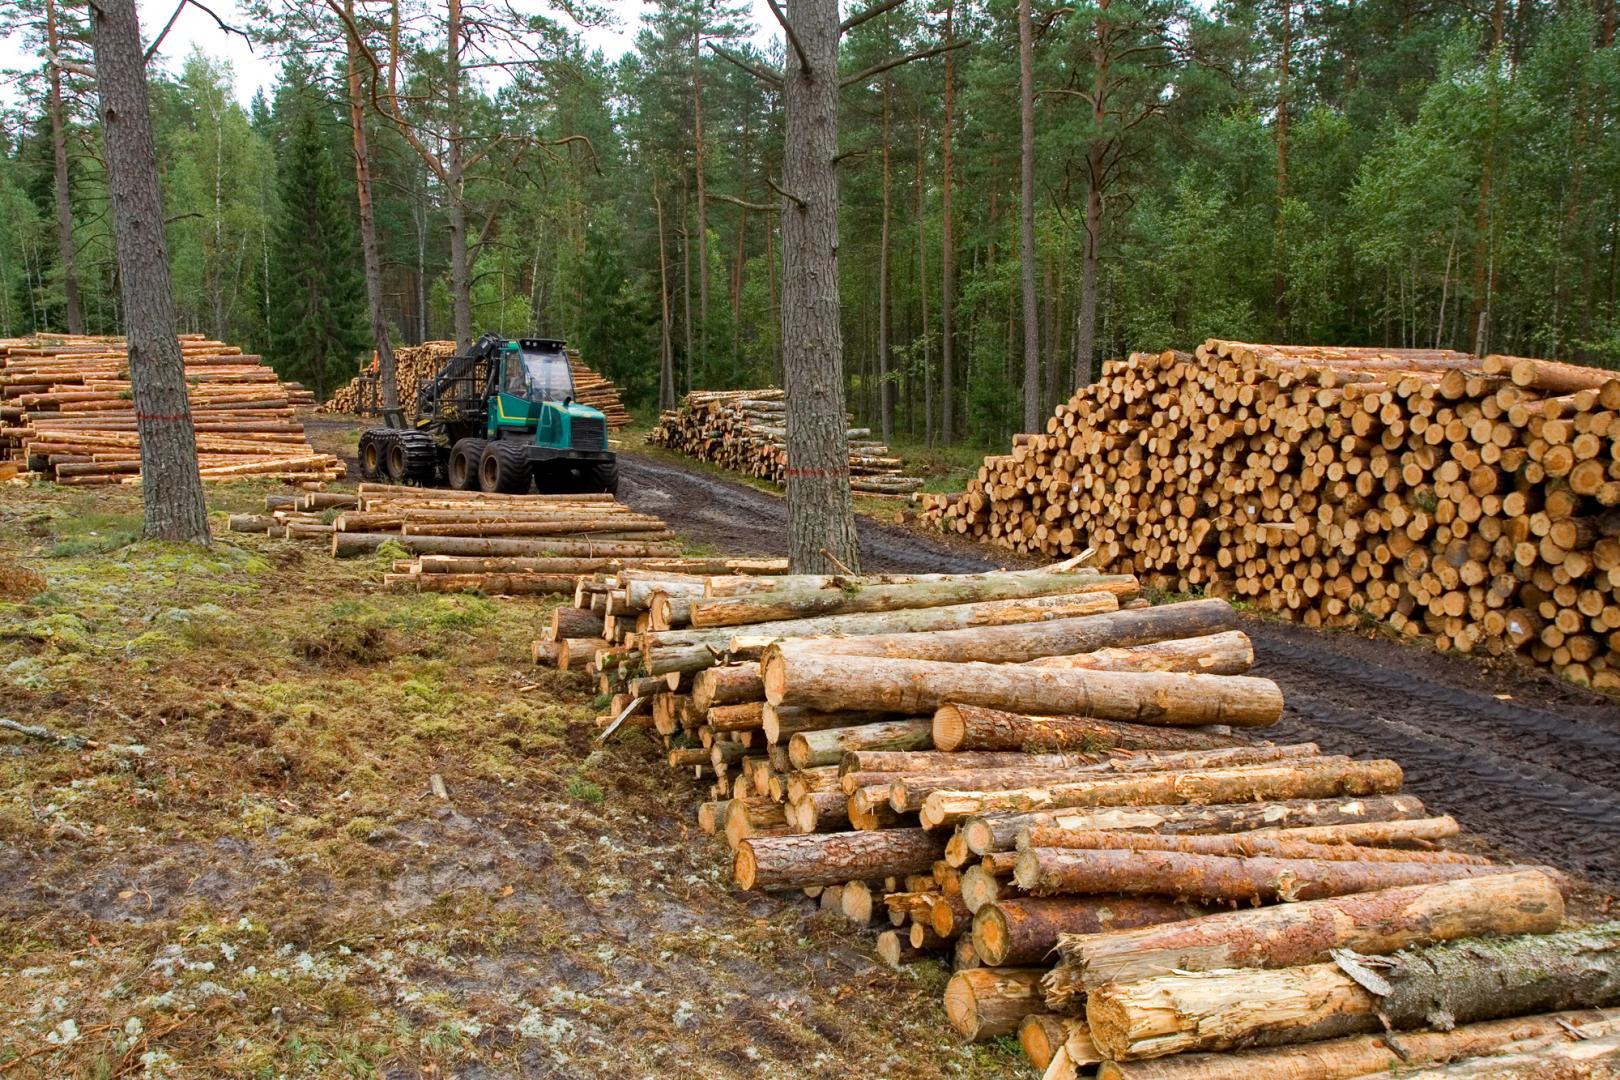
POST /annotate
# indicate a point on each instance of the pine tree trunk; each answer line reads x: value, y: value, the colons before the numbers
x: 171, y: 488
x: 1086, y: 319
x: 885, y: 390
x: 702, y: 191
x: 386, y: 371
x: 947, y: 301
x: 922, y: 290
x: 820, y: 515
x: 1026, y: 219
x: 666, y: 348
x: 73, y: 311
x: 1279, y: 256
x: 456, y: 181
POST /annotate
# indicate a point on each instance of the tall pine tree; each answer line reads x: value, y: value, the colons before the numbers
x: 318, y: 327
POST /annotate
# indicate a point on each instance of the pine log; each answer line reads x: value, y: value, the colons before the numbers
x: 1227, y: 653
x: 1280, y: 844
x: 973, y: 727
x: 1585, y: 1059
x: 949, y: 916
x: 780, y: 725
x: 819, y: 811
x: 347, y: 544
x: 985, y: 1002
x: 806, y: 603
x: 1454, y: 983
x: 908, y: 792
x: 1041, y: 1035
x: 807, y: 749
x: 573, y: 622
x: 931, y: 761
x: 1317, y: 778
x: 999, y: 831
x: 894, y: 949
x: 830, y: 858
x: 1527, y: 902
x: 1365, y: 1055
x: 921, y: 686
x: 727, y: 685
x: 1049, y: 871
x: 745, y: 716
x: 693, y: 650
x: 1026, y: 930
x: 1019, y: 642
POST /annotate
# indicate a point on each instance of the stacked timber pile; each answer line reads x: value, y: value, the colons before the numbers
x: 1473, y: 500
x: 466, y: 540
x: 419, y: 364
x: 746, y: 431
x: 1052, y: 786
x: 66, y: 409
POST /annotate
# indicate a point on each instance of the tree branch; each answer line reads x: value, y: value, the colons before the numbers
x: 897, y: 61
x: 792, y: 35
x: 764, y: 208
x: 763, y: 74
x: 879, y: 8
x: 794, y: 199
x: 178, y: 8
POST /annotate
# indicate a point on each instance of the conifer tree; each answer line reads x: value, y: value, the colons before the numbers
x: 318, y: 327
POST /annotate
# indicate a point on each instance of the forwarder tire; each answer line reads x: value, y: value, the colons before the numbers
x: 465, y: 459
x: 504, y: 468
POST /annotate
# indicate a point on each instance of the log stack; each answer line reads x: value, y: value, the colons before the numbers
x: 462, y: 541
x: 746, y: 431
x: 418, y: 364
x: 66, y: 411
x: 1472, y: 500
x: 1059, y: 790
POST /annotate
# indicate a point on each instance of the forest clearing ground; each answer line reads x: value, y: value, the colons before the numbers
x: 247, y: 873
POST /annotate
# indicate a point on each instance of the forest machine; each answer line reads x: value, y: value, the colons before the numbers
x: 496, y: 418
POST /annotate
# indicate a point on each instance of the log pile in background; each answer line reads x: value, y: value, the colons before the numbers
x: 746, y: 431
x: 418, y: 364
x: 462, y: 540
x: 66, y: 410
x: 1056, y: 788
x: 1473, y: 500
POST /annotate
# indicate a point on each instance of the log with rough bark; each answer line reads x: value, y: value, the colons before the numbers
x: 1382, y: 921
x: 999, y: 831
x: 1018, y: 642
x: 727, y: 684
x: 1314, y: 778
x: 695, y: 649
x: 929, y: 761
x: 921, y: 686
x: 1278, y: 844
x: 832, y: 858
x: 908, y: 792
x: 1026, y: 930
x: 349, y: 543
x: 1050, y: 871
x: 985, y: 1002
x: 1365, y: 1055
x: 807, y: 749
x: 806, y: 603
x: 1454, y: 983
x: 781, y: 724
x: 1227, y: 653
x: 1042, y: 1035
x: 819, y: 811
x: 1589, y: 1058
x: 973, y: 727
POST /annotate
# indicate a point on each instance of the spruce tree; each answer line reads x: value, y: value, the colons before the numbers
x: 318, y: 327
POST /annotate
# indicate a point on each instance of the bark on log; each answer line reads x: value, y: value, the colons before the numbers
x: 802, y: 603
x: 819, y: 811
x: 1588, y: 1059
x: 1320, y: 778
x: 727, y: 685
x: 346, y: 544
x: 1527, y: 902
x: 746, y: 716
x: 1026, y: 930
x: 830, y: 858
x: 921, y: 686
x: 973, y: 727
x: 1459, y: 982
x: 1363, y: 1055
x: 693, y: 650
x: 949, y: 916
x: 807, y: 749
x: 999, y: 831
x: 1281, y: 844
x: 1026, y: 641
x: 1227, y: 653
x: 985, y: 1002
x: 780, y: 725
x: 573, y: 622
x: 932, y: 761
x: 1049, y: 871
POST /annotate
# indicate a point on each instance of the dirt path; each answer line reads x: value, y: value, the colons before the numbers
x: 1529, y: 763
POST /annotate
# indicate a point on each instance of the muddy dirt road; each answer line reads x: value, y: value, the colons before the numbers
x: 1530, y: 764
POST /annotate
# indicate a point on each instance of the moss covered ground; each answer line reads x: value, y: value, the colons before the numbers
x: 230, y: 862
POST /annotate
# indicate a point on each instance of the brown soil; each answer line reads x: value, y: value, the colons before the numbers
x: 1528, y: 762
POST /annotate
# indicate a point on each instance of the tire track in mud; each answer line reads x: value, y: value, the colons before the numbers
x: 1529, y: 763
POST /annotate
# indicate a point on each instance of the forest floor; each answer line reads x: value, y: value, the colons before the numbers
x: 245, y: 872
